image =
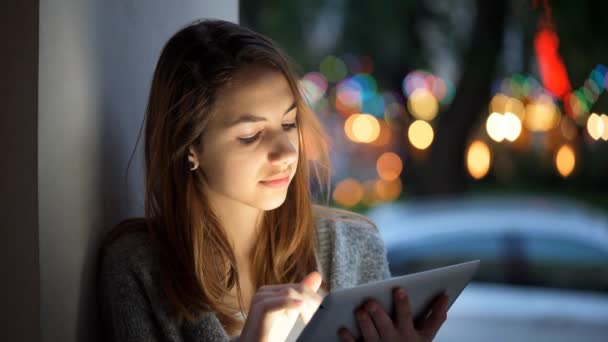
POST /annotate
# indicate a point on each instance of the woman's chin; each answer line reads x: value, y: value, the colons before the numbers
x: 271, y: 203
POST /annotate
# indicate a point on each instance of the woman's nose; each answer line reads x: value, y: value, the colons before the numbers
x: 283, y: 152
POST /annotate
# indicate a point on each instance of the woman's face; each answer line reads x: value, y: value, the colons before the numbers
x: 249, y: 151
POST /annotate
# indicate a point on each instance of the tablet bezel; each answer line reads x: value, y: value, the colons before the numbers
x: 337, y: 308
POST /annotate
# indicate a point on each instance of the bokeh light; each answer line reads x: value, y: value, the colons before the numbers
x: 348, y: 192
x: 365, y: 128
x: 511, y: 126
x: 423, y: 104
x: 348, y: 97
x: 595, y: 126
x: 385, y: 135
x: 604, y: 118
x: 515, y: 106
x: 387, y: 191
x: 367, y: 83
x: 598, y: 78
x: 439, y: 88
x: 568, y: 128
x: 389, y: 166
x: 370, y: 193
x: 333, y: 68
x: 420, y: 134
x: 348, y: 128
x: 498, y: 103
x: 494, y: 127
x: 541, y: 114
x: 550, y: 64
x: 565, y: 160
x: 479, y: 159
x: 500, y: 127
x: 374, y: 105
x: 415, y: 80
x: 314, y: 86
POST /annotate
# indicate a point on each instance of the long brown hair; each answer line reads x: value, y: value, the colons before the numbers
x: 198, y: 266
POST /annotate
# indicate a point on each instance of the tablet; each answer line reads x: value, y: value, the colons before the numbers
x: 338, y: 307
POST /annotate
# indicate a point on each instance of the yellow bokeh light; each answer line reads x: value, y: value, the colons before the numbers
x: 604, y: 118
x: 420, y: 134
x: 511, y: 126
x: 389, y: 166
x: 478, y: 159
x: 498, y: 103
x: 494, y: 127
x: 370, y: 195
x: 423, y: 104
x: 500, y: 127
x: 348, y: 192
x: 565, y: 160
x: 516, y: 107
x: 348, y: 127
x: 365, y: 128
x: 595, y: 126
x: 541, y: 115
x: 388, y: 190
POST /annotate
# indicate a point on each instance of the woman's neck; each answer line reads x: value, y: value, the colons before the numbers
x: 241, y: 224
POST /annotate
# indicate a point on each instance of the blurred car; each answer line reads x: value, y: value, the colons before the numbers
x: 544, y: 264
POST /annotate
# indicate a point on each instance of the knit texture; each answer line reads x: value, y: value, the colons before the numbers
x: 133, y: 307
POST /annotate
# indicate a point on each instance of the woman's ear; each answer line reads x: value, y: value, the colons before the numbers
x: 192, y: 158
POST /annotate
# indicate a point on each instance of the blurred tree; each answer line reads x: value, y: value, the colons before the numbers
x: 444, y: 172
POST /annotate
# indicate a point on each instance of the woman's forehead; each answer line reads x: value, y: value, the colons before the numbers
x: 256, y: 90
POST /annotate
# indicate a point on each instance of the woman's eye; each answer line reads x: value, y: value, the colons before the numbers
x: 251, y: 139
x: 290, y: 126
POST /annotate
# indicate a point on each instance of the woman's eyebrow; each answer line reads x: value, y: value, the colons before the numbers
x: 247, y: 118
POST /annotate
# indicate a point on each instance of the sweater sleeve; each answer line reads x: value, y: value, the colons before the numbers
x: 374, y: 260
x: 126, y: 312
x: 350, y: 249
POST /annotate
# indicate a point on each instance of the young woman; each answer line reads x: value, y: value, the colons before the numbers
x: 231, y: 245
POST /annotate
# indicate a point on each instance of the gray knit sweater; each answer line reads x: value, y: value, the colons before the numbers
x: 133, y: 307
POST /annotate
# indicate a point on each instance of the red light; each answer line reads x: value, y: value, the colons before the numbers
x: 551, y: 67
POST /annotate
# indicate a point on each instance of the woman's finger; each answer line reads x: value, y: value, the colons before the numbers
x: 311, y: 305
x: 284, y: 293
x: 382, y: 321
x: 403, y: 312
x: 277, y: 287
x: 430, y: 326
x: 345, y: 335
x: 274, y: 304
x: 313, y: 280
x: 310, y: 300
x: 366, y: 325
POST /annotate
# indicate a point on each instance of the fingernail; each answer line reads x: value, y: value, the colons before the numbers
x: 401, y: 294
x: 371, y: 307
x: 360, y: 314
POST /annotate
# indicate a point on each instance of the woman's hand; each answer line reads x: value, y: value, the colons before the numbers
x: 376, y: 325
x: 275, y: 308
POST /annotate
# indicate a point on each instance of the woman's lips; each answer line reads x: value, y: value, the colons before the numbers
x: 277, y: 182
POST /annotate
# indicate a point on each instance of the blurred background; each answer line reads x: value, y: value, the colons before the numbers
x: 469, y: 130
